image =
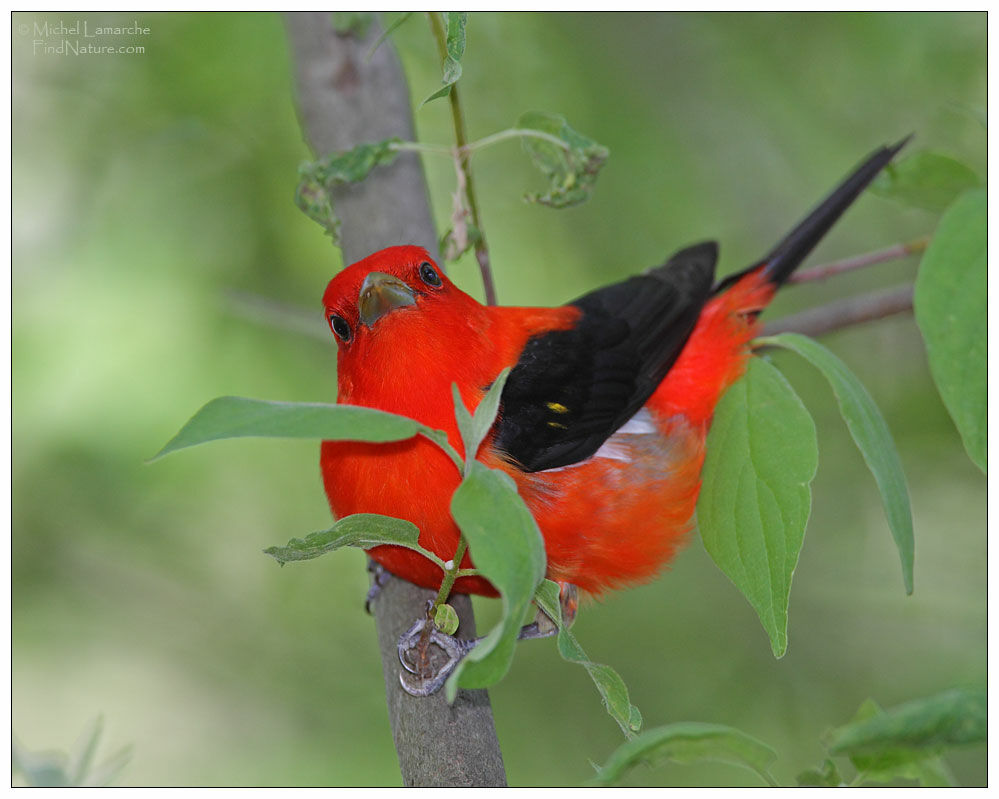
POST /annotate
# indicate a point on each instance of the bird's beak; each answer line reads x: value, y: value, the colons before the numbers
x: 381, y: 293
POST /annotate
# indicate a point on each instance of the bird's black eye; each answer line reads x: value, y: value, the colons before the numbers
x: 429, y: 275
x: 339, y: 327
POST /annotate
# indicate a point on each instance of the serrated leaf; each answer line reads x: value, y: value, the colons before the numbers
x: 690, y: 742
x: 238, y: 417
x: 755, y: 497
x: 506, y: 545
x: 364, y: 530
x: 571, y: 166
x: 951, y: 311
x: 922, y: 727
x: 927, y: 180
x: 454, y: 26
x: 474, y: 428
x: 318, y: 178
x: 870, y: 432
x: 609, y: 684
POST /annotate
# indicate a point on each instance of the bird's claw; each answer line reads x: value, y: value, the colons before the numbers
x: 429, y: 656
x: 380, y: 577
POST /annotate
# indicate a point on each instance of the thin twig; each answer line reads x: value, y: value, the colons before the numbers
x: 859, y: 261
x: 844, y: 313
x: 461, y: 141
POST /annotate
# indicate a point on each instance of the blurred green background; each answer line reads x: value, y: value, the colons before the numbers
x: 153, y: 202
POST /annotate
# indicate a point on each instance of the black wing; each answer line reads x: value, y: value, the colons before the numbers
x: 571, y: 389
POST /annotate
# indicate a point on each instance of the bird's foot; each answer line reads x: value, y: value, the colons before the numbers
x: 429, y: 656
x: 380, y: 577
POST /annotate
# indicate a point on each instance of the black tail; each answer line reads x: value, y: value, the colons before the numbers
x: 795, y: 247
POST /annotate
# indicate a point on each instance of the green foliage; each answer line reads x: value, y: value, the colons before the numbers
x: 951, y: 311
x: 690, y: 742
x: 61, y: 770
x: 613, y: 691
x: 755, y: 497
x: 509, y: 551
x: 871, y: 434
x: 446, y: 619
x: 316, y: 180
x: 364, y: 530
x: 454, y: 26
x: 906, y: 742
x: 571, y: 161
x: 925, y: 180
x: 237, y: 417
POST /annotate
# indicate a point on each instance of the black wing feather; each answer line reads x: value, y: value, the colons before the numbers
x: 571, y: 389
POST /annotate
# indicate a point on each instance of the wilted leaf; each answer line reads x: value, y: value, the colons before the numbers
x: 871, y: 434
x: 237, y: 417
x: 755, y: 497
x: 571, y: 166
x: 612, y: 689
x: 925, y: 180
x: 364, y: 530
x: 690, y: 742
x: 317, y: 179
x: 951, y: 310
x: 508, y: 550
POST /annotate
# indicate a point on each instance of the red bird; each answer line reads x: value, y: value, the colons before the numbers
x: 602, y: 420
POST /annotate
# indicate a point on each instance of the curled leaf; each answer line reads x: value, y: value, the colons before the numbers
x: 569, y: 160
x: 318, y: 178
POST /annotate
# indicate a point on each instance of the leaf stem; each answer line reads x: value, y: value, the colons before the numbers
x: 515, y: 133
x: 860, y: 261
x: 451, y: 574
x: 461, y: 140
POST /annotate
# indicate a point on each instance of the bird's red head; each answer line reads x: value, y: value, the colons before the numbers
x: 396, y: 279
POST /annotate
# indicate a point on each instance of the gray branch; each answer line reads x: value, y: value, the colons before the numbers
x: 344, y: 100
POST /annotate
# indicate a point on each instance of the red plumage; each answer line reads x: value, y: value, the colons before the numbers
x: 609, y: 519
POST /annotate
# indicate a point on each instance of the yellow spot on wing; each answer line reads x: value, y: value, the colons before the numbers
x: 557, y: 424
x: 558, y: 407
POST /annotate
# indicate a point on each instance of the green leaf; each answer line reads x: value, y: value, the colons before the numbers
x: 958, y: 717
x: 446, y: 619
x: 508, y: 550
x: 389, y: 30
x: 951, y: 311
x: 571, y: 166
x: 826, y: 777
x: 889, y: 763
x: 454, y: 25
x: 364, y: 530
x: 318, y: 178
x: 690, y: 742
x: 237, y: 417
x: 871, y: 434
x: 925, y: 180
x: 755, y: 496
x: 612, y: 689
x: 475, y: 428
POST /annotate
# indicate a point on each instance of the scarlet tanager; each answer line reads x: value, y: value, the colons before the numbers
x: 603, y: 418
